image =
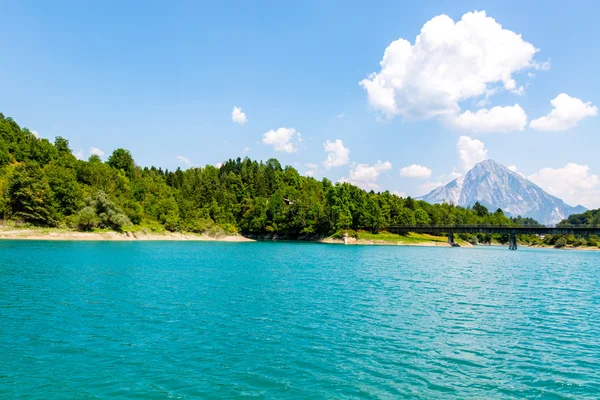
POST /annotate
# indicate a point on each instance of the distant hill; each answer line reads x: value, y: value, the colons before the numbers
x: 495, y: 186
x: 591, y: 217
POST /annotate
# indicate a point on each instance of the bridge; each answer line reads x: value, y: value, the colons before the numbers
x: 513, y: 231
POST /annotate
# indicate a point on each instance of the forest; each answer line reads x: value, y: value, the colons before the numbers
x: 44, y: 184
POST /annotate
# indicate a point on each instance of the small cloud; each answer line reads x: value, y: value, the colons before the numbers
x: 470, y: 151
x: 453, y: 175
x: 365, y: 176
x: 311, y: 169
x: 238, y: 116
x: 219, y: 164
x: 416, y: 171
x: 496, y: 119
x: 34, y: 133
x: 399, y: 194
x: 183, y: 160
x: 245, y: 150
x: 340, y: 116
x: 566, y: 113
x: 96, y: 151
x: 80, y: 155
x: 513, y: 168
x: 282, y: 139
x: 337, y: 154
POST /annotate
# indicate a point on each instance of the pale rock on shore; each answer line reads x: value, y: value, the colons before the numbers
x: 49, y: 234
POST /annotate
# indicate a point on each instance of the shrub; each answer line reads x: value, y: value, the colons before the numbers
x: 560, y: 242
x: 101, y: 212
x: 474, y: 240
x: 86, y: 219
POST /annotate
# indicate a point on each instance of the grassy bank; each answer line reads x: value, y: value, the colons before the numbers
x: 383, y: 237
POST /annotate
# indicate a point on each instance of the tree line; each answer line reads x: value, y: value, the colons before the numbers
x: 44, y: 184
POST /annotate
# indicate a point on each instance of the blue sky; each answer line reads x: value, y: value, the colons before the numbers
x: 162, y: 78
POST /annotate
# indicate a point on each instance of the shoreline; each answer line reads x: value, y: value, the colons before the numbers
x: 366, y: 242
x: 51, y: 234
x: 67, y: 235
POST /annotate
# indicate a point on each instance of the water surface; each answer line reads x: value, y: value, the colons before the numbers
x: 219, y: 320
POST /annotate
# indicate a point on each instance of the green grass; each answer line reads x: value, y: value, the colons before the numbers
x: 410, y: 238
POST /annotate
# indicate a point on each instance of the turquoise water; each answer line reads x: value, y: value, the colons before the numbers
x: 273, y: 320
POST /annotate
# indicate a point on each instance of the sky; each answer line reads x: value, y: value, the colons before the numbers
x: 399, y: 96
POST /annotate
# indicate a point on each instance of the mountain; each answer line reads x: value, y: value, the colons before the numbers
x: 495, y: 186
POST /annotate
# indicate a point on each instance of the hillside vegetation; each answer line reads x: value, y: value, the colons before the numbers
x: 44, y: 184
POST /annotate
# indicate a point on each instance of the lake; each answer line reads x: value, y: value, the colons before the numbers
x: 158, y: 320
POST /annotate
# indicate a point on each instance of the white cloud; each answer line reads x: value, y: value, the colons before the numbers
x: 399, y: 193
x: 80, y: 155
x: 365, y: 175
x: 34, y: 133
x: 245, y: 150
x: 571, y: 183
x: 340, y: 116
x: 449, y: 62
x: 311, y: 169
x: 496, y: 119
x: 452, y: 176
x: 337, y: 154
x: 238, y: 116
x: 416, y: 171
x: 96, y: 151
x: 566, y: 113
x: 282, y: 139
x: 470, y: 151
x: 219, y: 164
x: 514, y: 169
x: 183, y: 160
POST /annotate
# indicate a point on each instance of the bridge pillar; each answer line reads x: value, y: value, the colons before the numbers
x: 512, y: 243
x: 451, y: 239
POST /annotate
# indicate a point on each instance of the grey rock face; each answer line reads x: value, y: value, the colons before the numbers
x: 495, y: 186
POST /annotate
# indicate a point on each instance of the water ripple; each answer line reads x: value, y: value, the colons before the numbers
x: 286, y: 320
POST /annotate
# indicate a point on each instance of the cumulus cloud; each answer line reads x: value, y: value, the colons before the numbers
x: 282, y: 139
x: 496, y: 119
x: 337, y: 154
x: 311, y: 169
x: 514, y: 169
x: 470, y: 151
x: 572, y: 183
x: 416, y: 171
x: 96, y: 151
x: 567, y: 111
x: 183, y: 160
x: 219, y: 164
x: 340, y: 116
x: 238, y: 116
x: 452, y: 176
x: 450, y: 62
x: 34, y: 133
x: 365, y: 175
